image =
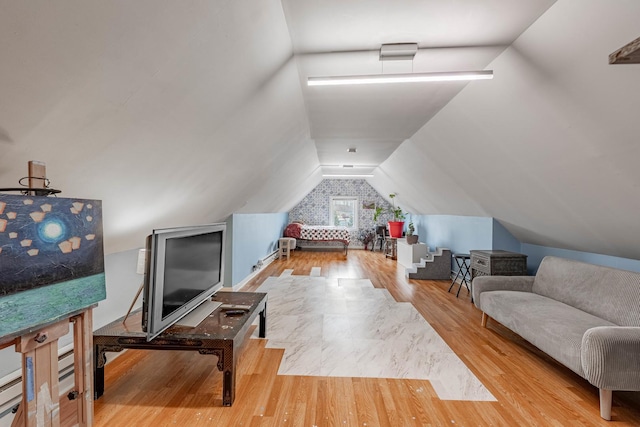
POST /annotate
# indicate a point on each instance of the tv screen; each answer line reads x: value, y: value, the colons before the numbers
x: 185, y: 266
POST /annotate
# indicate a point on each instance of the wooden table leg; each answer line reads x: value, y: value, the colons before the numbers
x: 262, y: 331
x: 226, y: 364
x: 229, y: 376
x: 98, y: 371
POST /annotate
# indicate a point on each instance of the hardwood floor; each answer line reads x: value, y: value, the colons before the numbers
x: 145, y: 388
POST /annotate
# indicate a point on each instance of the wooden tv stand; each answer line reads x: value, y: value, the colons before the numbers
x: 218, y: 334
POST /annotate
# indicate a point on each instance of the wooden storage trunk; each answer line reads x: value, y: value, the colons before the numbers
x: 498, y: 263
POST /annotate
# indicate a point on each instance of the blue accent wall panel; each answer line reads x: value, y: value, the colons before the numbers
x: 458, y: 233
x: 462, y: 234
x: 536, y: 253
x: 253, y: 236
x: 228, y: 264
x: 503, y: 239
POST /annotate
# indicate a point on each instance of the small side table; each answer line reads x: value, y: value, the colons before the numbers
x: 391, y: 247
x: 286, y: 245
x: 463, y: 270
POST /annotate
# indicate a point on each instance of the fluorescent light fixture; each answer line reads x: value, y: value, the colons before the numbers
x: 348, y: 165
x: 400, y: 78
x: 347, y: 175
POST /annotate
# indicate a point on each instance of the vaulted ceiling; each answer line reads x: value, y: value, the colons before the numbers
x: 180, y: 113
x: 337, y: 38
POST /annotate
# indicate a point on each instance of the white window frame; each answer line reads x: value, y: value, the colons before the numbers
x: 356, y: 211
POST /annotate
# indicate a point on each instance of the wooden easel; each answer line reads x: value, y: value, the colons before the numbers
x: 40, y: 405
x: 37, y: 175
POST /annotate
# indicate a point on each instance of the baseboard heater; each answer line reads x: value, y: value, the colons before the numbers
x: 267, y: 259
x: 262, y: 262
x: 11, y: 387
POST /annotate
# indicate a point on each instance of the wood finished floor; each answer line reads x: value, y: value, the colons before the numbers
x: 146, y: 388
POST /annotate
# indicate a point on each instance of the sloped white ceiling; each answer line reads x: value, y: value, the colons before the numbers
x: 334, y: 38
x: 550, y: 147
x: 375, y: 119
x: 172, y: 113
x: 341, y: 26
x: 182, y: 113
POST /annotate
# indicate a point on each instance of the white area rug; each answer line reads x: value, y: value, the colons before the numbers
x: 348, y: 328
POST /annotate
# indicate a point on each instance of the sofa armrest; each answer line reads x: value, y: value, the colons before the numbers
x: 500, y: 283
x: 610, y: 359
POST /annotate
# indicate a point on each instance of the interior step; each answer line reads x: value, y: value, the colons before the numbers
x: 435, y: 265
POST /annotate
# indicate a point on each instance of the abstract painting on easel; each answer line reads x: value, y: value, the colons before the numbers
x: 51, y: 259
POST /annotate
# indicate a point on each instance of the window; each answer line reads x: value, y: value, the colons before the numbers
x: 343, y: 212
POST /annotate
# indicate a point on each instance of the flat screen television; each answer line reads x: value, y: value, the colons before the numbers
x: 184, y: 268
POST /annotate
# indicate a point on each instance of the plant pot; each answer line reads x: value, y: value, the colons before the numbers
x: 395, y: 228
x: 413, y: 239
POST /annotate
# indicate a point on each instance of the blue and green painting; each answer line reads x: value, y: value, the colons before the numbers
x: 51, y: 259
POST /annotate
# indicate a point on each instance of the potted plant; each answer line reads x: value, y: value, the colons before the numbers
x: 377, y: 213
x: 366, y: 237
x: 412, y: 239
x: 396, y: 226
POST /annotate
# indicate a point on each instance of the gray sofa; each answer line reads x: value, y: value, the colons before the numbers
x: 586, y: 317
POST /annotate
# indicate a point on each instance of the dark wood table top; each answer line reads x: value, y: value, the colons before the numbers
x: 215, y: 326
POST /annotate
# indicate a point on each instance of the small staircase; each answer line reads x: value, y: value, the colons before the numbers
x: 434, y: 266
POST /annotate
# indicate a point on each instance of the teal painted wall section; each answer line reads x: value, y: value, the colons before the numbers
x: 252, y: 237
x: 536, y: 253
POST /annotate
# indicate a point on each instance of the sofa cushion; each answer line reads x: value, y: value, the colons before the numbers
x: 552, y: 326
x: 605, y: 292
